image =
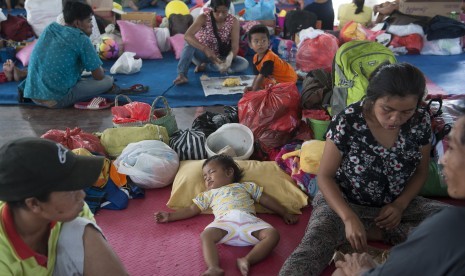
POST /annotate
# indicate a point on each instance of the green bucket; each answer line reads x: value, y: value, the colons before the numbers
x: 319, y: 128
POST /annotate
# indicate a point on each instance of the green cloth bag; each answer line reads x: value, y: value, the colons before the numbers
x: 114, y: 140
x: 435, y: 185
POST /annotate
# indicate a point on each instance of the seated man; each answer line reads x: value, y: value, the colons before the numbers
x: 59, y: 57
x: 45, y: 226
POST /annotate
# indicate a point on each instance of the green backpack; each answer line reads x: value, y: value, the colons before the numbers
x: 352, y: 66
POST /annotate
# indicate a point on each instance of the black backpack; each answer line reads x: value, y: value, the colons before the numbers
x: 297, y: 20
x: 317, y: 89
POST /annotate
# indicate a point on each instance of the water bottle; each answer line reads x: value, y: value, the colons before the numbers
x: 282, y: 51
x: 292, y: 57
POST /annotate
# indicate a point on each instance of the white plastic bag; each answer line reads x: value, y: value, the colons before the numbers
x: 2, y: 16
x: 441, y: 47
x: 162, y: 35
x: 149, y: 163
x: 126, y: 64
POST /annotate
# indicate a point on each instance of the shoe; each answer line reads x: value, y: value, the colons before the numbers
x: 135, y: 89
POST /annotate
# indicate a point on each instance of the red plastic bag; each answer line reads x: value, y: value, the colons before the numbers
x: 131, y: 112
x: 317, y: 114
x: 317, y: 53
x: 75, y: 138
x: 412, y: 42
x: 272, y: 114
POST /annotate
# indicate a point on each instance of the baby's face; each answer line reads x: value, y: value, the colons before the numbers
x: 216, y: 176
x: 259, y: 43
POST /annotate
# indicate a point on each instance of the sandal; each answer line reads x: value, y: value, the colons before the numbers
x: 135, y: 89
x: 96, y: 103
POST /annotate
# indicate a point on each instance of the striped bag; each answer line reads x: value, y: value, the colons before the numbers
x: 189, y: 144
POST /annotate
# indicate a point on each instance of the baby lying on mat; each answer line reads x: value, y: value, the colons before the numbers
x: 235, y: 222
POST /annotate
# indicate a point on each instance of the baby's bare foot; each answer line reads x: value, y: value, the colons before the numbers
x: 213, y: 271
x: 181, y: 79
x: 8, y: 69
x: 243, y: 266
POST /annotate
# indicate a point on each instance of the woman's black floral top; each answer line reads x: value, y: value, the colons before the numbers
x: 371, y: 174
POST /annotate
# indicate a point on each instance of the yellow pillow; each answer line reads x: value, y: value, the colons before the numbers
x: 188, y: 183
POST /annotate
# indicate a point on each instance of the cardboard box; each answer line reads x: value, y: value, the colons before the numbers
x: 147, y: 18
x: 430, y: 8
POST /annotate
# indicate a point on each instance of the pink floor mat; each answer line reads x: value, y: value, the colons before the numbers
x: 148, y: 248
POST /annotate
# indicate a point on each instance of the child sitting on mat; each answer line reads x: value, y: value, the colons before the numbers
x: 268, y: 67
x: 235, y: 222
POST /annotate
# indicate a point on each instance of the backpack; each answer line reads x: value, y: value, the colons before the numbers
x: 316, y: 89
x: 352, y: 66
x: 297, y: 20
x: 179, y: 23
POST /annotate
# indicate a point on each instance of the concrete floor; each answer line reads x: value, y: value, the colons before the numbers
x: 24, y: 121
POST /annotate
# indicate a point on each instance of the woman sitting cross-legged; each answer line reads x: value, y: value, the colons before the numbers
x: 212, y: 43
x: 373, y: 166
x: 435, y: 247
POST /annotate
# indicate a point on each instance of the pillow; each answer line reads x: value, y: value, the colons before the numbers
x: 25, y: 53
x: 139, y: 39
x: 177, y: 43
x: 188, y: 183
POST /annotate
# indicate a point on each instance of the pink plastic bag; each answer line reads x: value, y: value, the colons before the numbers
x: 75, y: 138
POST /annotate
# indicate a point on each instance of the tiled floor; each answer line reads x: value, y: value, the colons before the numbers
x: 23, y: 121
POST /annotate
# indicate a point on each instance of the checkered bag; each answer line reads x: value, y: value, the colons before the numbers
x: 189, y: 144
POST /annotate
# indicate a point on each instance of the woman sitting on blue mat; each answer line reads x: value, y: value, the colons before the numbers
x: 212, y: 43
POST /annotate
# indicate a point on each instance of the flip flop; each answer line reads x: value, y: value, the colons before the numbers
x: 96, y: 103
x: 135, y: 89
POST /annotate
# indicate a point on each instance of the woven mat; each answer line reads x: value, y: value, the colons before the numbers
x: 148, y: 248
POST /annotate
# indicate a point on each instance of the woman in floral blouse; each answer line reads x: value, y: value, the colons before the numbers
x: 374, y: 164
x: 212, y: 43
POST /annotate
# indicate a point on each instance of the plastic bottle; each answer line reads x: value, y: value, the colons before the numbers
x: 292, y: 57
x: 282, y: 51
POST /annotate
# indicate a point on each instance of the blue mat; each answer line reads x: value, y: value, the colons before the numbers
x: 447, y: 72
x: 159, y: 76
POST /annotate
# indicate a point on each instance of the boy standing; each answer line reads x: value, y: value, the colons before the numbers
x: 268, y: 67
